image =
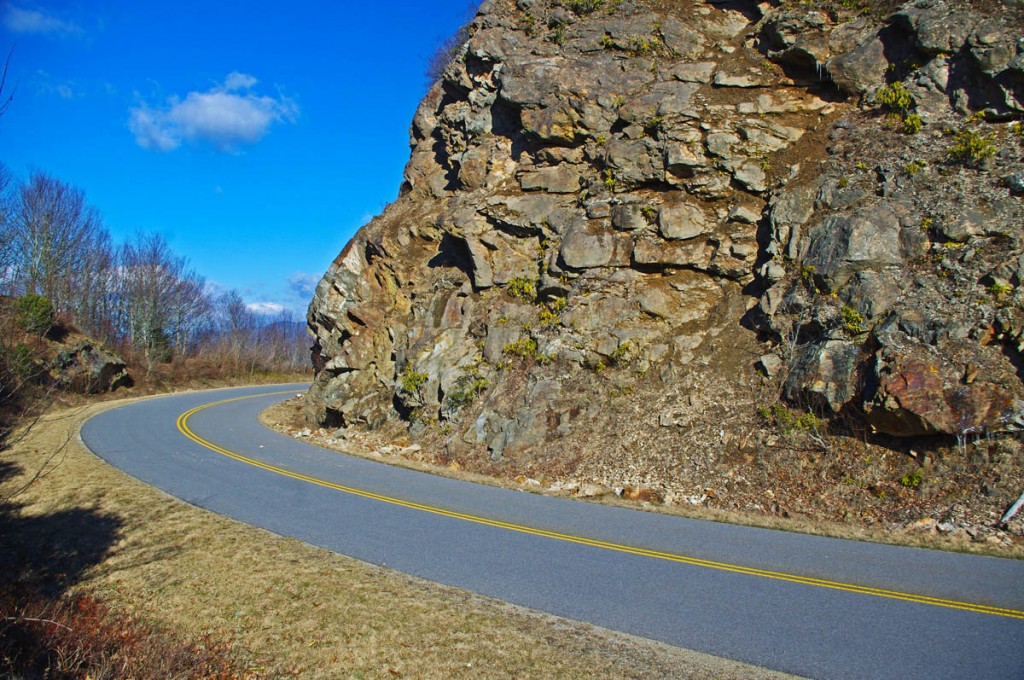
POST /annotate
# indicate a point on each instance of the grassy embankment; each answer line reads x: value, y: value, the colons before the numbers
x: 231, y: 599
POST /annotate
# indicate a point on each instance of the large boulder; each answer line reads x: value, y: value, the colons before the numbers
x: 919, y: 397
x: 85, y: 367
x: 845, y: 245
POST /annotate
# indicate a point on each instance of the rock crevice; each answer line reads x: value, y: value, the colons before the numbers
x: 602, y: 206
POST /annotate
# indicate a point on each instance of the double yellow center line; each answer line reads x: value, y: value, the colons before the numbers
x: 569, y: 538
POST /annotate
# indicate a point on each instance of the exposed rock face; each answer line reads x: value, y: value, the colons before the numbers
x: 915, y: 245
x: 611, y: 220
x: 83, y: 366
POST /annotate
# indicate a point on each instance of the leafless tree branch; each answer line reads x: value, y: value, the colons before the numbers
x: 3, y: 82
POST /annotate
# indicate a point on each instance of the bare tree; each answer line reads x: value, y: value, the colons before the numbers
x: 3, y: 82
x: 6, y: 229
x: 189, y: 310
x: 160, y: 301
x: 89, y: 299
x: 140, y: 296
x: 237, y: 324
x: 53, y: 229
x: 286, y: 341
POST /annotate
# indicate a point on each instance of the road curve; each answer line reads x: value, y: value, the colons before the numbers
x: 807, y: 605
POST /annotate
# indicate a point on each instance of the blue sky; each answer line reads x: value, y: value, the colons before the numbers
x: 255, y: 136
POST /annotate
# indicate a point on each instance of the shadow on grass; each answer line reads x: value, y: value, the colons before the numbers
x: 48, y: 630
x: 42, y: 556
x: 49, y: 553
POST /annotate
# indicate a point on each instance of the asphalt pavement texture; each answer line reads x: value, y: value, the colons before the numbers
x: 722, y: 608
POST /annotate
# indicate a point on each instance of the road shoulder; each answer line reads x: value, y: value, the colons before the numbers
x: 296, y: 608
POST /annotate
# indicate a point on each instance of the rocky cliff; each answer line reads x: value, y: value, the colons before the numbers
x: 724, y: 252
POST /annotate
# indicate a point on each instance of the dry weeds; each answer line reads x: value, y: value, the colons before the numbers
x: 298, y: 610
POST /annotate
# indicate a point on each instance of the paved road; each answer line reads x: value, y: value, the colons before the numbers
x: 807, y: 605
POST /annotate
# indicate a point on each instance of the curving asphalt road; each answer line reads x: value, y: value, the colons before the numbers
x: 812, y: 606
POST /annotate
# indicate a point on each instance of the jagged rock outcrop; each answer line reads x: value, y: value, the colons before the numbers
x: 81, y: 365
x: 39, y: 348
x: 613, y: 209
x: 916, y: 242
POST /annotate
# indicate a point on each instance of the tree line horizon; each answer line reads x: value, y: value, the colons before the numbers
x: 139, y: 297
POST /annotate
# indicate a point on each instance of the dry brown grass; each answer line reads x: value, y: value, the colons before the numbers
x: 73, y: 637
x: 298, y: 610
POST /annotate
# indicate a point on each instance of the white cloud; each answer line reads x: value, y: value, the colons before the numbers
x: 303, y: 284
x: 239, y: 81
x: 227, y: 117
x: 265, y: 308
x: 48, y: 85
x: 19, y: 20
x: 151, y: 132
